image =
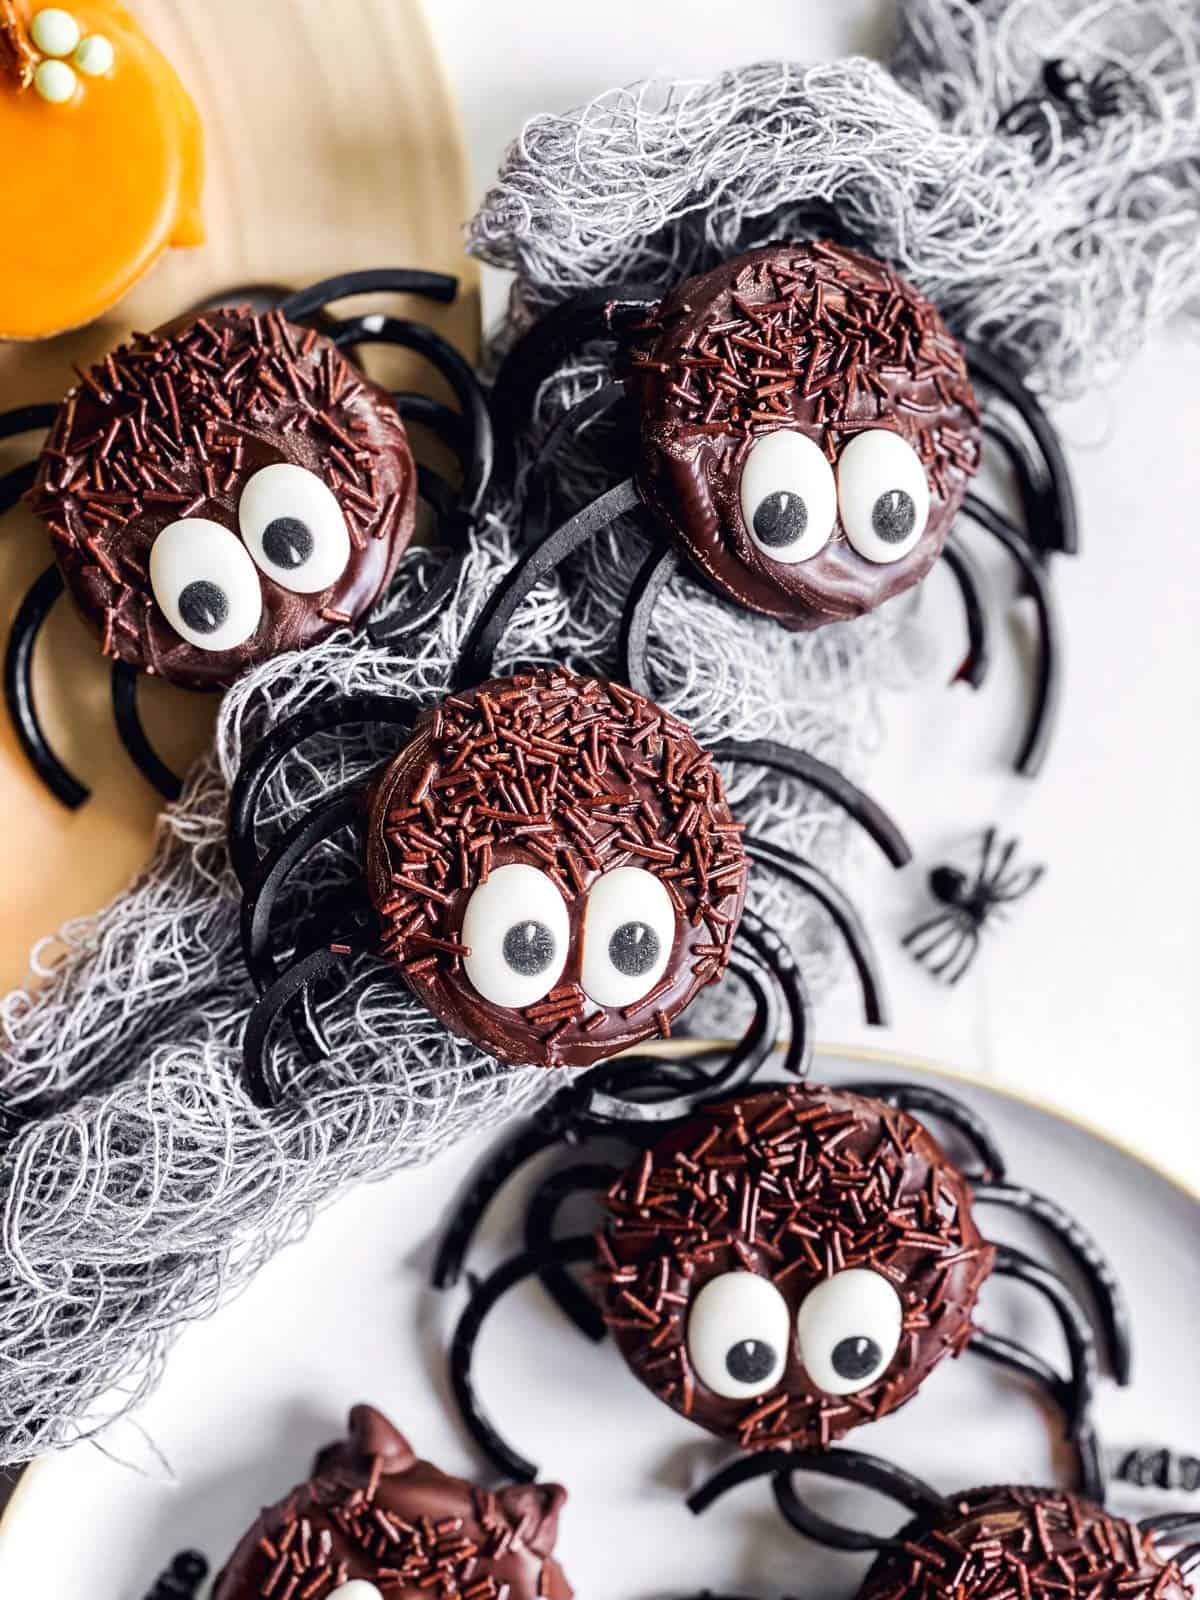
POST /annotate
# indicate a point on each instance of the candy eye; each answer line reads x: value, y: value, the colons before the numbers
x: 294, y: 528
x: 848, y: 1329
x: 628, y: 933
x: 883, y: 494
x: 356, y: 1589
x: 737, y: 1335
x: 517, y: 929
x: 205, y: 584
x: 789, y: 500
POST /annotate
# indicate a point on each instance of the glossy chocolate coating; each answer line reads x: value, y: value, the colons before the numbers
x: 174, y: 425
x: 373, y: 1511
x: 793, y: 1183
x: 1063, y: 1545
x: 811, y: 337
x: 573, y: 776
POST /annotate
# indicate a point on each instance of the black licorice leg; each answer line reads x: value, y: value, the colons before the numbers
x: 1059, y: 501
x: 823, y: 889
x: 559, y: 334
x: 133, y: 736
x: 537, y: 501
x: 27, y: 419
x: 1087, y: 1256
x: 967, y: 576
x: 18, y: 691
x: 537, y: 564
x: 285, y: 994
x: 374, y: 280
x: 430, y: 603
x: 446, y: 424
x: 1036, y: 742
x: 260, y: 765
x: 868, y: 813
x: 778, y: 960
x: 571, y: 1298
x: 849, y: 1466
x: 1157, y: 1467
x: 1013, y: 1357
x: 1013, y: 1263
x: 436, y: 493
x: 484, y: 1295
x: 951, y: 1110
x: 633, y: 640
x: 445, y: 359
x: 16, y: 484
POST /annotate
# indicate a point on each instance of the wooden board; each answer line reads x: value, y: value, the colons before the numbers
x: 332, y: 144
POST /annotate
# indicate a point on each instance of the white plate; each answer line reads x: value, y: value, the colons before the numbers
x: 248, y: 1396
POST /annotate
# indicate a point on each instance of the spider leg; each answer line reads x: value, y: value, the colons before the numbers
x: 133, y: 736
x: 1154, y: 1466
x: 288, y: 993
x: 16, y: 484
x: 535, y: 565
x: 436, y: 493
x: 774, y: 954
x: 569, y: 1296
x: 537, y: 508
x: 1014, y: 1357
x: 839, y: 906
x: 927, y: 936
x: 1087, y: 1255
x: 264, y: 760
x: 602, y: 313
x: 1012, y: 1263
x: 27, y: 419
x: 18, y: 691
x: 659, y: 567
x: 1017, y: 884
x: 374, y: 280
x: 484, y: 1295
x: 446, y: 424
x: 1057, y: 510
x: 849, y: 1466
x: 1037, y: 583
x: 829, y: 781
x: 920, y: 1098
x: 1171, y: 1522
x: 958, y: 963
x: 965, y: 571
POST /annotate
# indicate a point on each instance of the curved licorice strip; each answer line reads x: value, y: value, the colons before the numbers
x: 286, y: 993
x: 811, y: 1524
x: 1157, y: 1467
x: 571, y: 1298
x: 479, y: 652
x: 1033, y: 487
x: 1060, y: 501
x: 537, y: 499
x: 777, y: 958
x: 133, y: 736
x: 484, y: 1295
x: 263, y: 761
x: 967, y: 576
x: 15, y: 485
x: 849, y: 1466
x: 602, y: 313
x: 809, y: 877
x: 937, y: 1103
x: 868, y: 813
x: 450, y: 427
x: 436, y: 493
x: 375, y: 328
x: 1013, y: 1357
x: 1087, y: 1256
x: 1013, y: 1263
x: 374, y: 280
x: 18, y: 691
x: 1036, y: 742
x: 27, y: 419
x: 633, y: 638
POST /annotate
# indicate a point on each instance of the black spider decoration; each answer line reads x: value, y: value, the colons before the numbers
x: 801, y: 428
x: 769, y: 1223
x: 1072, y: 103
x: 231, y: 487
x: 948, y: 943
x: 182, y: 1580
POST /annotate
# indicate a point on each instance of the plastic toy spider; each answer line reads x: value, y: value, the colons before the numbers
x: 231, y: 487
x: 806, y: 428
x: 948, y: 943
x: 182, y: 1579
x: 781, y: 1264
x: 987, y: 1542
x: 551, y: 867
x: 1078, y: 103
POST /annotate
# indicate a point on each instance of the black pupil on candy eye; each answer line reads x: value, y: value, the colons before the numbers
x: 203, y: 606
x: 750, y: 1361
x: 529, y: 948
x: 780, y: 518
x: 893, y: 516
x: 287, y: 542
x: 855, y: 1358
x: 633, y: 949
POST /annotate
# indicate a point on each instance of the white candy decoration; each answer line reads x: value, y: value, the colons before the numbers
x: 55, y: 32
x: 55, y: 81
x: 94, y: 56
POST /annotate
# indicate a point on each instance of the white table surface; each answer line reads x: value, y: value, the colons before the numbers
x: 1085, y: 999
